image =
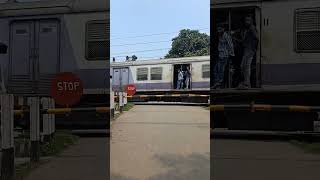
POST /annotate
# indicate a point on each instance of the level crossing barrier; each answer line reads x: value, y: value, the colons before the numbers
x: 265, y: 107
x: 36, y: 108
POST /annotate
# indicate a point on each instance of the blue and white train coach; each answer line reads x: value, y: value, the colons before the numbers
x: 160, y: 75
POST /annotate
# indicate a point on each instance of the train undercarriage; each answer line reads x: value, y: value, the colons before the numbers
x: 186, y: 96
x: 264, y: 120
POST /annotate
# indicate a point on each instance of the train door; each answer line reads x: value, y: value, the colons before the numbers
x: 124, y: 76
x: 21, y: 72
x: 34, y: 55
x: 187, y: 78
x: 116, y: 79
x: 233, y: 18
x: 120, y: 78
x: 47, y: 52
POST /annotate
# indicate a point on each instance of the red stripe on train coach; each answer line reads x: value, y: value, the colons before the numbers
x: 66, y: 89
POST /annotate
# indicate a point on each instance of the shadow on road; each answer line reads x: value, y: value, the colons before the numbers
x: 194, y: 166
x: 119, y: 177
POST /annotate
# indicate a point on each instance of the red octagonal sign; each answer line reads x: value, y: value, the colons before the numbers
x: 131, y: 89
x: 66, y: 89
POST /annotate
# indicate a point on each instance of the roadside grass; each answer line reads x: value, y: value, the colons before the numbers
x: 206, y: 108
x: 128, y: 106
x: 23, y: 170
x: 59, y: 142
x: 313, y: 148
x: 116, y: 116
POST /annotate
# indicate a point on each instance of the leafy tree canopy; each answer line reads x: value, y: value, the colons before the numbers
x: 189, y: 43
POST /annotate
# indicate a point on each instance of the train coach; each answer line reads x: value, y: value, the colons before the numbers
x: 45, y: 38
x: 285, y: 70
x: 160, y: 75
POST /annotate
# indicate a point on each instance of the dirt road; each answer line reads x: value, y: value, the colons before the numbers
x: 263, y: 160
x: 86, y: 160
x: 161, y: 143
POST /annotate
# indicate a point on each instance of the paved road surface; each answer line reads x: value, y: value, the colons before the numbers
x: 85, y: 161
x: 161, y: 143
x: 252, y: 160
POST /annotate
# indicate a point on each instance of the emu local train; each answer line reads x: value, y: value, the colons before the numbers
x: 45, y: 38
x: 288, y: 54
x: 160, y: 75
x: 285, y: 69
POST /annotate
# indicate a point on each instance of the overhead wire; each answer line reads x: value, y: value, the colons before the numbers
x: 155, y: 34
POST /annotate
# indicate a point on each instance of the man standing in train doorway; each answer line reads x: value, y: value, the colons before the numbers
x: 187, y: 78
x: 225, y: 50
x: 180, y: 79
x: 250, y: 45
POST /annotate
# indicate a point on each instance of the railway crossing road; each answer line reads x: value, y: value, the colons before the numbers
x: 153, y: 142
x: 84, y: 161
x: 263, y: 160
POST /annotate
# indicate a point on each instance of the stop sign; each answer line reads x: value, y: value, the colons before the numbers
x: 66, y: 89
x: 131, y: 89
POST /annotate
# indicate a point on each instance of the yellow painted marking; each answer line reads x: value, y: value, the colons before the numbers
x: 217, y: 107
x: 159, y: 95
x: 176, y: 95
x: 143, y: 96
x: 59, y: 111
x: 300, y: 108
x: 262, y: 107
x: 102, y: 109
x: 204, y: 95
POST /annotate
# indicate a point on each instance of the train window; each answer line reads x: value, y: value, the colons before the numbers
x: 142, y: 74
x: 307, y: 30
x: 206, y: 71
x: 156, y: 73
x: 97, y: 40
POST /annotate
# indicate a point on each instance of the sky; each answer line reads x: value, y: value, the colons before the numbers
x: 145, y: 28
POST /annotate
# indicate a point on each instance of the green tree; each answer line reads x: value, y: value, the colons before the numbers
x: 189, y: 43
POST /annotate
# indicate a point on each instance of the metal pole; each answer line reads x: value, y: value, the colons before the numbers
x: 53, y: 120
x: 34, y: 104
x: 121, y: 101
x: 7, y: 136
x: 112, y: 103
x: 46, y: 119
x: 125, y: 100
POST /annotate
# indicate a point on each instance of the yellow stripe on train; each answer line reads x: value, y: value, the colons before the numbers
x: 300, y: 108
x: 217, y: 107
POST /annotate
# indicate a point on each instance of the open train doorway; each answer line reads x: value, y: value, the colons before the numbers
x: 182, y: 76
x: 234, y: 19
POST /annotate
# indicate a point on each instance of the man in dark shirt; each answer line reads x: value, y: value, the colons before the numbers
x: 250, y: 42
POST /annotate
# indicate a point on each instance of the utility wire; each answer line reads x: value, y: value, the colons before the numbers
x: 149, y: 50
x: 150, y: 42
x: 156, y: 34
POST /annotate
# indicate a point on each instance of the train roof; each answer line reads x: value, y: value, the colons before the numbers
x: 161, y: 61
x: 14, y: 8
